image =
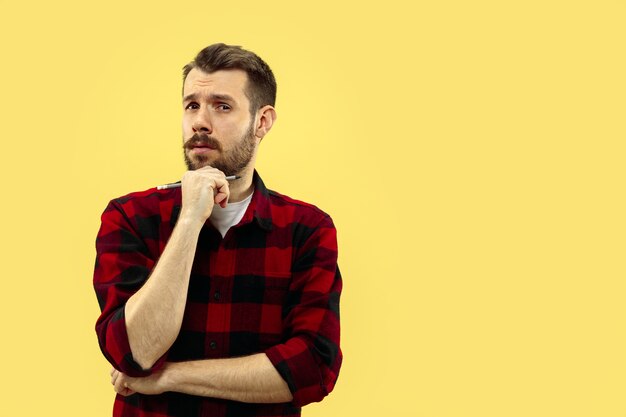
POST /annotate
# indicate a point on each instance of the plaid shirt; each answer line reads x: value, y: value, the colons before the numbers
x: 270, y: 285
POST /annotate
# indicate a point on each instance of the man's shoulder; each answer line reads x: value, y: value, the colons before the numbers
x: 146, y: 195
x: 297, y: 210
x: 147, y: 202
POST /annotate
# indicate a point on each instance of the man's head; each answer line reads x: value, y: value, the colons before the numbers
x: 228, y: 99
x: 261, y: 85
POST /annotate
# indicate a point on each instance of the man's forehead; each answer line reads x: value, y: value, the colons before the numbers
x: 230, y: 81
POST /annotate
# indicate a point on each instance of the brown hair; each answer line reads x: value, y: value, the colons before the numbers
x: 261, y: 86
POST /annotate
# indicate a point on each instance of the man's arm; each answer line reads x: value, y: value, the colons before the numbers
x: 138, y: 327
x: 154, y: 314
x: 251, y: 379
x: 310, y: 358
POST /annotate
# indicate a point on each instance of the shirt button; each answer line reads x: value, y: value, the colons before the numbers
x: 213, y: 344
x: 216, y: 295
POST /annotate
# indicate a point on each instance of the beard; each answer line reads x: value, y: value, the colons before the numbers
x: 231, y: 162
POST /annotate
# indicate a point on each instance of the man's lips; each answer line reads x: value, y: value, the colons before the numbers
x: 201, y: 149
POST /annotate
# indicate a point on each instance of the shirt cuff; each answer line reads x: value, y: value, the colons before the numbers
x: 117, y: 350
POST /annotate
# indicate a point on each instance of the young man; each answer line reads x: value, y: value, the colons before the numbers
x: 219, y: 297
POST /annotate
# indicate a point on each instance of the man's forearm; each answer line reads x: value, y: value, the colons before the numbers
x: 251, y: 379
x: 154, y: 314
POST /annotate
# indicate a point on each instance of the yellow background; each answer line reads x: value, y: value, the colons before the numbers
x: 471, y: 154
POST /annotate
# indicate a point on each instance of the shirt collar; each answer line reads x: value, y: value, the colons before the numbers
x: 260, y: 207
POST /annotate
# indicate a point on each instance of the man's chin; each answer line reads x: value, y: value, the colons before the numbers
x: 197, y: 163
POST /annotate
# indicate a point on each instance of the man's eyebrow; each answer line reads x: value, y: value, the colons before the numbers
x: 219, y: 97
x: 189, y: 97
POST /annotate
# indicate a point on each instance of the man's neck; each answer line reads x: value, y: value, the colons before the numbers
x: 241, y: 188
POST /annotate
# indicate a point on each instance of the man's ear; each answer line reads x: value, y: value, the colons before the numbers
x: 267, y: 117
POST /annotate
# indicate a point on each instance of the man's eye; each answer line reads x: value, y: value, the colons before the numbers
x: 191, y: 106
x: 223, y: 107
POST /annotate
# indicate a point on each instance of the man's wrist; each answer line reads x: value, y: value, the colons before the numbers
x: 190, y: 223
x: 169, y: 376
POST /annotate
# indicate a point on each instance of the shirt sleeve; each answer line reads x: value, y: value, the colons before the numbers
x: 123, y: 264
x: 310, y: 359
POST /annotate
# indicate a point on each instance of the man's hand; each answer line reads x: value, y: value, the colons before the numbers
x: 202, y: 189
x: 150, y: 385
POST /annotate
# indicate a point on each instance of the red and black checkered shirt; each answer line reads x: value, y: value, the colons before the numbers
x: 270, y: 285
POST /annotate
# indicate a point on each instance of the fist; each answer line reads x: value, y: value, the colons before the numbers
x: 201, y: 190
x: 150, y: 385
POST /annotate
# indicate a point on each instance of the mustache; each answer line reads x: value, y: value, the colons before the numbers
x: 202, y: 140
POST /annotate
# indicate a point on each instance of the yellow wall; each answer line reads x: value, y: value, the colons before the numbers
x: 471, y: 154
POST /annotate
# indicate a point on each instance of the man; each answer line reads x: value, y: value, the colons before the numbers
x: 219, y: 297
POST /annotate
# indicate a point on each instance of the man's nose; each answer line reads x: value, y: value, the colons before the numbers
x: 202, y: 122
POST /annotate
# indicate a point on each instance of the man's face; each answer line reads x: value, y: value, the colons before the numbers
x: 217, y: 127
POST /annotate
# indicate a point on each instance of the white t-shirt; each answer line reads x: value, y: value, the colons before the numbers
x: 225, y: 218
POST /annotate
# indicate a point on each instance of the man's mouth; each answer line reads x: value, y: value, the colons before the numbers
x: 199, y: 149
